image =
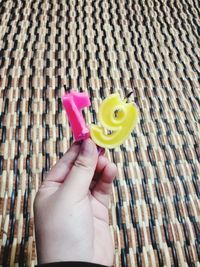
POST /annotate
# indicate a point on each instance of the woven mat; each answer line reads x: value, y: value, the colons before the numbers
x: 148, y: 46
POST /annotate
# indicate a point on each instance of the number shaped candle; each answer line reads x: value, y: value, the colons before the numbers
x: 116, y: 116
x: 74, y: 102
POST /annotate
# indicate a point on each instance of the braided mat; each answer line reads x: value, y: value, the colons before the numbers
x: 148, y: 46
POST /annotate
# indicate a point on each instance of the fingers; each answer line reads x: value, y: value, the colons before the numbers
x: 106, y: 172
x: 101, y: 163
x: 76, y: 170
x: 82, y: 171
x: 61, y: 169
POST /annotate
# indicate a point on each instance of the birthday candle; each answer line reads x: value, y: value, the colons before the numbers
x: 117, y: 119
x: 74, y: 102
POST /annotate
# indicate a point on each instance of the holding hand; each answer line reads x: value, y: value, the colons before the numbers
x: 71, y: 208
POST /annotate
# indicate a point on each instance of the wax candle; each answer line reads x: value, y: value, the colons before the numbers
x: 74, y: 102
x: 117, y: 119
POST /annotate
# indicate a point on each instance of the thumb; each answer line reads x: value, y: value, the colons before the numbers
x: 81, y: 174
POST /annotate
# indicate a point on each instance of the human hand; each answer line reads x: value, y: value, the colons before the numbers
x: 71, y: 208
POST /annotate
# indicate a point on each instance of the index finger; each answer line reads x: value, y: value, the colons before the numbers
x: 60, y: 170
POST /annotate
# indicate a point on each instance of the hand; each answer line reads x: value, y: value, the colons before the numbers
x: 71, y: 208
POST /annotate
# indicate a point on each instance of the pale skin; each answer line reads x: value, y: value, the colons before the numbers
x: 71, y: 208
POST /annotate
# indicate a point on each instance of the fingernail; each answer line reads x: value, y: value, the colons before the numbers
x: 101, y: 151
x: 87, y: 147
x: 78, y: 142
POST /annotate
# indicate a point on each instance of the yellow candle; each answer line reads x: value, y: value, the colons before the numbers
x: 117, y: 117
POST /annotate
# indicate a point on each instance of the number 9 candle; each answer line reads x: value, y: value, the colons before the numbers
x: 116, y: 116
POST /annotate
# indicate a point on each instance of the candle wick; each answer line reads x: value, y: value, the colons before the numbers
x: 67, y: 89
x: 127, y: 96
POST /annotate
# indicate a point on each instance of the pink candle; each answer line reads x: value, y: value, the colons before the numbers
x: 74, y: 102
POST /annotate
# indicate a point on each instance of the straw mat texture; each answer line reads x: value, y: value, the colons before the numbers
x: 148, y: 46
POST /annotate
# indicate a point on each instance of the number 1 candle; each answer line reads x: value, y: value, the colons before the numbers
x: 74, y: 102
x: 117, y: 119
